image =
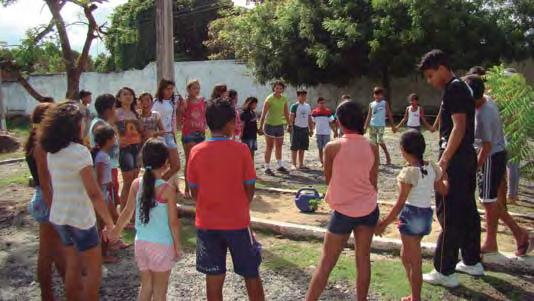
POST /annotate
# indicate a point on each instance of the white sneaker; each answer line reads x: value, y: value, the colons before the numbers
x: 473, y: 270
x: 437, y: 278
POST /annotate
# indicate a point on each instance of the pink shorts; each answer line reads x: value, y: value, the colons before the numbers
x: 154, y: 257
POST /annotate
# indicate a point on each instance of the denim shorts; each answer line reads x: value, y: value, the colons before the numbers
x: 195, y: 137
x: 212, y: 246
x: 415, y: 221
x: 342, y: 224
x: 170, y: 140
x: 81, y: 239
x: 37, y: 207
x: 322, y: 140
x: 274, y: 131
x: 128, y: 157
x: 251, y: 143
x: 109, y: 194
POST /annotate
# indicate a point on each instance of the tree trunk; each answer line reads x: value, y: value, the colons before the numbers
x: 73, y: 84
x: 28, y: 87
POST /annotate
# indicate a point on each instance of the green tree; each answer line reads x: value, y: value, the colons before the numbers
x: 74, y: 63
x: 131, y: 38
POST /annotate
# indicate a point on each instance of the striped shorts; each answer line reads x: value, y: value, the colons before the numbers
x: 154, y: 257
x: 490, y: 177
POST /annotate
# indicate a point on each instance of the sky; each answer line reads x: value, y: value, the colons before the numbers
x: 17, y: 18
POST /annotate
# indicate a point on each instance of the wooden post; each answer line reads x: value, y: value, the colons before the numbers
x: 164, y: 40
x: 3, y: 125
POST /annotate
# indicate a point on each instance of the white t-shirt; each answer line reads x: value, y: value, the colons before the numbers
x: 302, y: 114
x: 70, y: 203
x: 322, y: 124
x: 422, y: 191
x: 167, y: 113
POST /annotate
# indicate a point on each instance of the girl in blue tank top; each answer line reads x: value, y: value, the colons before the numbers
x: 157, y: 239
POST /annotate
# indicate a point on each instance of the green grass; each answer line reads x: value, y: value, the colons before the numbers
x: 20, y: 177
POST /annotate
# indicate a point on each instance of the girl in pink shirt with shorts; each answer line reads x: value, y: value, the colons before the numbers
x: 351, y: 172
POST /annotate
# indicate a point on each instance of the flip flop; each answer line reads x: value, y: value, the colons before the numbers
x: 525, y: 248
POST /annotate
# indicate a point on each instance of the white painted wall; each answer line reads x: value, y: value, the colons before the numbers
x: 236, y: 76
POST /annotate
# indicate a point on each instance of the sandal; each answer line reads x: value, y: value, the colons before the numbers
x: 525, y: 248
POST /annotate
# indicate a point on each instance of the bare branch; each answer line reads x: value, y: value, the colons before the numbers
x: 55, y: 7
x: 91, y: 35
x: 14, y: 69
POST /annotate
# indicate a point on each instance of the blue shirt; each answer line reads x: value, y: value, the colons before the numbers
x: 157, y: 230
x: 378, y: 113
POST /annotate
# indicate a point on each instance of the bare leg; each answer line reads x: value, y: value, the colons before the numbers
x: 92, y: 260
x: 385, y: 149
x: 321, y: 156
x: 160, y: 282
x: 48, y: 246
x: 73, y: 274
x: 411, y: 258
x: 145, y: 293
x: 363, y: 236
x: 332, y: 247
x: 214, y: 286
x: 254, y: 289
x: 127, y: 178
x: 278, y: 142
x: 294, y: 158
x: 187, y: 150
x: 301, y: 158
x: 269, y: 144
x: 520, y: 234
x: 492, y: 220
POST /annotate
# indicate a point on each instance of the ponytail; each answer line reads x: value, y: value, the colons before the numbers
x: 422, y: 167
x: 148, y: 196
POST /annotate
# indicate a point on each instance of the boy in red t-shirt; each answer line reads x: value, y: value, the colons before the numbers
x: 222, y: 177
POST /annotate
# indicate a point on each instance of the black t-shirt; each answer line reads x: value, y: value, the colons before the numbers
x: 457, y: 98
x: 250, y: 124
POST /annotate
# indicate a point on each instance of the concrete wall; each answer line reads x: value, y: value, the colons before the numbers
x: 236, y: 76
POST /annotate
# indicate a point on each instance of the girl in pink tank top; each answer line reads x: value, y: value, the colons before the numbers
x: 351, y: 172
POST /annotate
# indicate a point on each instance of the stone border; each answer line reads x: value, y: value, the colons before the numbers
x: 502, y: 262
x: 10, y: 161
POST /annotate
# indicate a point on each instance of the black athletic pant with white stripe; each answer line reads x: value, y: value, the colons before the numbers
x: 458, y: 216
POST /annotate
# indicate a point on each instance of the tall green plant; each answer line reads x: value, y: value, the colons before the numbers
x: 515, y: 98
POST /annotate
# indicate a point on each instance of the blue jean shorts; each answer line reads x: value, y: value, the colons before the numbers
x: 81, y: 239
x: 342, y: 224
x: 170, y: 140
x: 128, y: 157
x: 415, y: 221
x: 195, y: 137
x: 37, y: 207
x: 251, y: 143
x: 322, y: 140
x: 109, y: 194
x: 212, y: 246
x: 274, y: 131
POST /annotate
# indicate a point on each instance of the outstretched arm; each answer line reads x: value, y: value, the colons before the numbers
x: 423, y: 120
x: 401, y: 123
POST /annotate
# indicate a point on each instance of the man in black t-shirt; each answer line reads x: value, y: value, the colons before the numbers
x: 456, y: 211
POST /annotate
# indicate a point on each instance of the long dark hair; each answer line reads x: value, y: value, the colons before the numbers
x: 249, y: 101
x: 102, y: 134
x: 61, y: 125
x: 218, y: 91
x: 37, y: 116
x: 163, y: 84
x: 133, y: 105
x: 413, y: 143
x: 155, y: 154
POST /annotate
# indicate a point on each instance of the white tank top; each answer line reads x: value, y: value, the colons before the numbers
x: 414, y: 118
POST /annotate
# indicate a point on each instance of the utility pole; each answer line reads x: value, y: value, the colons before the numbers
x: 164, y: 40
x: 3, y: 125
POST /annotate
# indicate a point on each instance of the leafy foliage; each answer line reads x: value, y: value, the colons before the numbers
x: 131, y: 38
x: 515, y: 99
x: 312, y: 41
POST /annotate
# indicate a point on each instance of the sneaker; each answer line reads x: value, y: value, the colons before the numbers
x: 269, y: 172
x: 473, y: 270
x: 282, y: 169
x: 437, y: 278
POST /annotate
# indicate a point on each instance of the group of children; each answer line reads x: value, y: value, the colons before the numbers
x: 77, y: 195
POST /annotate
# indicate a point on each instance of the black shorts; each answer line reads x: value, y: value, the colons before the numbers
x: 300, y: 138
x: 212, y: 247
x: 490, y: 177
x: 342, y: 224
x: 274, y: 131
x: 128, y: 157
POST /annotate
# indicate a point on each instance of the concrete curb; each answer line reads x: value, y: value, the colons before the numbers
x: 9, y: 161
x: 502, y: 262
